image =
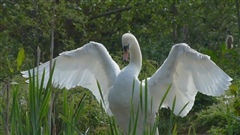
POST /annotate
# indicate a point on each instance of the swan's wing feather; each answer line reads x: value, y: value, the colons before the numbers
x: 189, y: 72
x: 83, y: 67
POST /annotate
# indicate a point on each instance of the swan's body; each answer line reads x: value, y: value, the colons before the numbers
x: 187, y: 70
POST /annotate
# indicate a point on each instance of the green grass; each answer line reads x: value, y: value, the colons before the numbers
x: 35, y: 120
x: 31, y: 117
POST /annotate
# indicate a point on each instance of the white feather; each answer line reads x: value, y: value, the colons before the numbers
x: 189, y: 72
x: 83, y: 67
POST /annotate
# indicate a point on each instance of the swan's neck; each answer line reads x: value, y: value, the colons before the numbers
x: 135, y: 57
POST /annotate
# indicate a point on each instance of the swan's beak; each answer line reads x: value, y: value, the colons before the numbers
x: 125, y: 54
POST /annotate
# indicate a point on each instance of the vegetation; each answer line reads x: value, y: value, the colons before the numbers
x: 26, y: 25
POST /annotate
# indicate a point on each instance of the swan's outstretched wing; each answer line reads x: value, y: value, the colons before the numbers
x: 83, y: 67
x: 189, y: 72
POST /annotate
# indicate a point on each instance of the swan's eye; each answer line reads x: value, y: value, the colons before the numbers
x: 125, y: 48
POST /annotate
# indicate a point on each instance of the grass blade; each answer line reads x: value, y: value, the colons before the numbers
x: 164, y: 96
x: 183, y: 108
x: 172, y: 115
x: 100, y: 91
x: 70, y: 123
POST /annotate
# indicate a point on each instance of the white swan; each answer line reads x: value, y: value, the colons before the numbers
x: 187, y: 70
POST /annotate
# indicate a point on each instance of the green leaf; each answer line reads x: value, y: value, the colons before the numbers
x: 9, y: 67
x: 20, y: 58
x: 174, y: 132
x: 223, y: 47
x: 233, y: 90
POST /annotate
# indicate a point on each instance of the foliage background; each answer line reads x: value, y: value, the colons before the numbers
x: 157, y: 25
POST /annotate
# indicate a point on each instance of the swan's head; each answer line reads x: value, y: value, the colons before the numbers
x: 128, y: 40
